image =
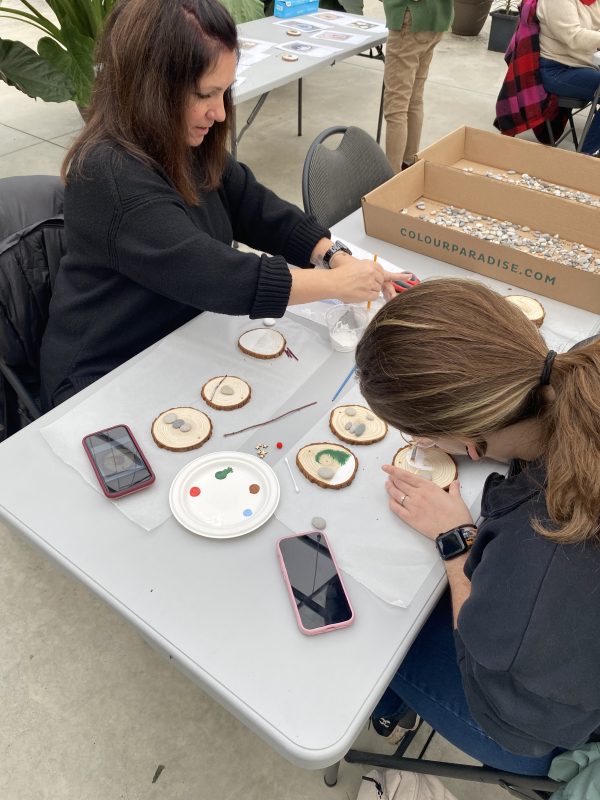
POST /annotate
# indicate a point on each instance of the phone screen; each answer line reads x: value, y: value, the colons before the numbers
x: 318, y: 592
x: 118, y: 460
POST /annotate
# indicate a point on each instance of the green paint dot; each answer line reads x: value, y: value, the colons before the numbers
x: 223, y: 473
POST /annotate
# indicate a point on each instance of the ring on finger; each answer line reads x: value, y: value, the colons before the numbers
x: 403, y: 498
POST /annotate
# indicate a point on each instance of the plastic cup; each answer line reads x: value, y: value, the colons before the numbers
x: 346, y: 324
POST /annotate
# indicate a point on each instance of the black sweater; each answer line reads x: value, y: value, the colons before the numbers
x: 140, y: 262
x: 528, y: 637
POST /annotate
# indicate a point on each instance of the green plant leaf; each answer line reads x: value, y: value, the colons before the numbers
x: 245, y: 10
x: 77, y: 60
x: 22, y: 67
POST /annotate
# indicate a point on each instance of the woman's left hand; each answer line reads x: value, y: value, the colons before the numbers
x: 424, y: 505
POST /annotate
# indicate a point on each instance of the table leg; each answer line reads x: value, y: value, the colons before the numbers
x: 300, y: 107
x: 331, y: 774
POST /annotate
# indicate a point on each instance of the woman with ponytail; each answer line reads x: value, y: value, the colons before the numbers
x: 510, y: 670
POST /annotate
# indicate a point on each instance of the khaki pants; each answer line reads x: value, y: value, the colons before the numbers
x: 407, y: 59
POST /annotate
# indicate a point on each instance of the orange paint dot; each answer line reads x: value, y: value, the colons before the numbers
x: 194, y: 491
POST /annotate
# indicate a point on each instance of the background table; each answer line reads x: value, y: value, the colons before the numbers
x: 272, y: 72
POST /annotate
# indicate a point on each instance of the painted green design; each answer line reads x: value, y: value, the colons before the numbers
x: 223, y: 473
x: 338, y: 455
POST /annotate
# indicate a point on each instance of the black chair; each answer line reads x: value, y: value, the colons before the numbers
x: 32, y: 230
x: 574, y: 106
x: 525, y: 787
x: 335, y: 181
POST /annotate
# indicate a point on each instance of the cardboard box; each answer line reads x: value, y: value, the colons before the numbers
x: 295, y: 8
x: 481, y: 151
x: 390, y: 214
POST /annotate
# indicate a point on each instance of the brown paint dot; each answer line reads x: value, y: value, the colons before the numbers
x: 254, y: 488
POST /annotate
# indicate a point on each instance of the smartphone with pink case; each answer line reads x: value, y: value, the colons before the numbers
x: 314, y: 583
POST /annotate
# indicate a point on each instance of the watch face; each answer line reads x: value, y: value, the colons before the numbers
x: 450, y: 544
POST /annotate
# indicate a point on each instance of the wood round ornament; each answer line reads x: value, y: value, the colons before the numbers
x: 226, y: 392
x: 289, y: 57
x: 181, y: 428
x: 329, y: 465
x: 531, y: 307
x: 438, y: 466
x: 357, y: 425
x: 293, y: 32
x: 262, y: 343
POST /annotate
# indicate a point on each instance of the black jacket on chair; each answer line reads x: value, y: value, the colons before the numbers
x: 29, y: 261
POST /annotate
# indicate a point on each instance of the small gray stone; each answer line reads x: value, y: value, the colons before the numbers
x: 268, y: 322
x: 178, y: 423
x: 351, y: 412
x: 359, y: 429
x: 226, y: 389
x: 318, y: 523
x: 348, y: 425
x: 185, y: 428
x: 326, y: 473
x: 369, y: 417
x: 169, y: 419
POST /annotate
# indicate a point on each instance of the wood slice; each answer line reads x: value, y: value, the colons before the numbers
x: 531, y: 307
x: 444, y: 467
x: 196, y: 429
x: 226, y: 392
x: 357, y: 425
x: 329, y: 465
x: 262, y: 343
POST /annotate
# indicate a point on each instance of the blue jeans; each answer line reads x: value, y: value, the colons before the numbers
x: 580, y: 82
x: 429, y: 682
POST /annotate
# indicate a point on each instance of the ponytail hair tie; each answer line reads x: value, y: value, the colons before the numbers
x: 547, y: 370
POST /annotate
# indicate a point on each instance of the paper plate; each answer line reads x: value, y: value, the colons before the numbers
x: 223, y: 495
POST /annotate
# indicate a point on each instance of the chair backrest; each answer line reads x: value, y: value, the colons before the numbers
x: 335, y: 181
x: 29, y: 260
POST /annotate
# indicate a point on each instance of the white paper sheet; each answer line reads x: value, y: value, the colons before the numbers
x: 172, y: 375
x: 306, y: 49
x: 389, y: 558
x: 302, y: 24
x: 341, y: 37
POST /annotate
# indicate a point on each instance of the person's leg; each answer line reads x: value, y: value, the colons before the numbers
x: 401, y: 64
x: 580, y: 82
x: 428, y: 41
x: 429, y: 682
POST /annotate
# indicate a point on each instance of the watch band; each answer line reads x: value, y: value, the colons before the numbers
x: 456, y: 541
x: 336, y: 247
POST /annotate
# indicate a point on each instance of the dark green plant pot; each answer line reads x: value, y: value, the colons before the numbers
x: 501, y: 31
x: 470, y: 16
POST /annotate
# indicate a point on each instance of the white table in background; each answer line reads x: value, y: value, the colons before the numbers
x: 273, y: 72
x: 219, y: 609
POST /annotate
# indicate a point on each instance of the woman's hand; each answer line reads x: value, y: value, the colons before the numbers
x: 358, y: 280
x: 424, y: 505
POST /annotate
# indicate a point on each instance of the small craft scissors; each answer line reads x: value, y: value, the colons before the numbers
x: 401, y: 285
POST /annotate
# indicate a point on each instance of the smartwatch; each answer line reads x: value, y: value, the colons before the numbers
x: 336, y: 247
x: 454, y: 542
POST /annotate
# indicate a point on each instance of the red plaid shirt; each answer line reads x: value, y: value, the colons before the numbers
x: 523, y: 103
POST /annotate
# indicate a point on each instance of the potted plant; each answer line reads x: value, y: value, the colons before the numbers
x: 63, y: 66
x: 505, y: 16
x: 470, y: 16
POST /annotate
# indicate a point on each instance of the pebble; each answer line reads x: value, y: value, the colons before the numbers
x: 348, y: 425
x: 178, y: 423
x: 170, y: 418
x: 318, y: 523
x: 268, y: 322
x: 326, y: 473
x: 359, y: 429
x: 185, y: 428
x: 351, y: 412
x: 226, y: 389
x: 370, y: 417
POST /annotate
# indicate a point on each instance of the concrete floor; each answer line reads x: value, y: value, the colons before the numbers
x: 89, y: 710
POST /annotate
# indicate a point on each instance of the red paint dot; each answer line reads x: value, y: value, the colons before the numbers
x: 279, y: 445
x: 194, y: 491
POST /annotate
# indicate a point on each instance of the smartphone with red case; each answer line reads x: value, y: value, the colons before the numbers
x: 314, y: 583
x: 119, y: 464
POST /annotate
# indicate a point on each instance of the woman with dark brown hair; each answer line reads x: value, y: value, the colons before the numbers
x: 512, y: 670
x: 153, y: 202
